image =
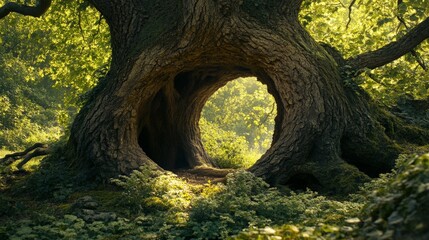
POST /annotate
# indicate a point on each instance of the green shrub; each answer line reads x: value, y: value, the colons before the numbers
x: 226, y: 148
x: 399, y: 208
x: 147, y: 189
x: 72, y: 227
x: 162, y: 206
x: 247, y: 201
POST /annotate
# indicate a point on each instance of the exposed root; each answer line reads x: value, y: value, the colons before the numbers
x: 38, y: 149
x: 202, y: 175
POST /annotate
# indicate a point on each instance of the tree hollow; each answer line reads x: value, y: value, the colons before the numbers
x: 169, y: 130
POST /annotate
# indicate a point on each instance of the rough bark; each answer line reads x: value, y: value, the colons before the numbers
x: 169, y: 57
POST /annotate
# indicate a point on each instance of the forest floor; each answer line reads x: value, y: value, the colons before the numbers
x: 204, y: 175
x: 48, y: 202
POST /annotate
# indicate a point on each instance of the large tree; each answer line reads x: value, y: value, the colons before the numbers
x: 169, y: 57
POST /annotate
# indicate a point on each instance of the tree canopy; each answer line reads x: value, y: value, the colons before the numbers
x: 355, y: 27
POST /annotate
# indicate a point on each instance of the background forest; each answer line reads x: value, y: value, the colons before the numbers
x: 50, y: 65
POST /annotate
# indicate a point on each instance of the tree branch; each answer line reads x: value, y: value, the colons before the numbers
x: 413, y: 52
x: 350, y: 13
x: 391, y: 51
x: 35, y: 11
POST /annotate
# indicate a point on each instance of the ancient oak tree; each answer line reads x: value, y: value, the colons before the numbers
x: 170, y: 56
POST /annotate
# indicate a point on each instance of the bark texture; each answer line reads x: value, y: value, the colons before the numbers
x: 170, y: 56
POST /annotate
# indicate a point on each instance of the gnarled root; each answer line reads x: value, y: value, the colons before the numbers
x: 38, y: 149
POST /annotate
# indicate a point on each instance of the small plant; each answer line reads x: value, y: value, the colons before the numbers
x: 147, y: 189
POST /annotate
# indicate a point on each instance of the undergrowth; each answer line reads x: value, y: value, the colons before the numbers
x: 151, y: 204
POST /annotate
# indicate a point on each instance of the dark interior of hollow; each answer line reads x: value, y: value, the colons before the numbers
x: 169, y: 132
x: 302, y: 181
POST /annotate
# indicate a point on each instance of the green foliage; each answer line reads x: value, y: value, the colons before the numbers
x: 226, y: 148
x: 156, y: 205
x: 373, y: 24
x: 44, y: 67
x: 27, y: 114
x: 174, y: 210
x: 7, y: 207
x: 244, y: 107
x: 399, y: 207
x: 4, y: 153
x: 248, y: 201
x: 67, y: 45
x: 149, y: 189
x: 395, y: 207
x: 71, y: 227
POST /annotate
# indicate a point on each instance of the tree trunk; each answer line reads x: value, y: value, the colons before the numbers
x: 169, y: 57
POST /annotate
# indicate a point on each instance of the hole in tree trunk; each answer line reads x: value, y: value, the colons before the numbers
x: 169, y: 129
x: 159, y: 137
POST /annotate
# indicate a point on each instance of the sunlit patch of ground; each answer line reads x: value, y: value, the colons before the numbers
x: 204, y: 175
x: 4, y: 152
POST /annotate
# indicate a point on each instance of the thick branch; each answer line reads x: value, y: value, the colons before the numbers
x: 391, y: 51
x: 36, y: 11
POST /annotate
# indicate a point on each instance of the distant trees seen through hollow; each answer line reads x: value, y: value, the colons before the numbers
x: 237, y: 123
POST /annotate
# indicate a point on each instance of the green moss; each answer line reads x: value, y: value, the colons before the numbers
x: 402, y: 131
x: 344, y: 179
x: 107, y: 198
x: 336, y: 177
